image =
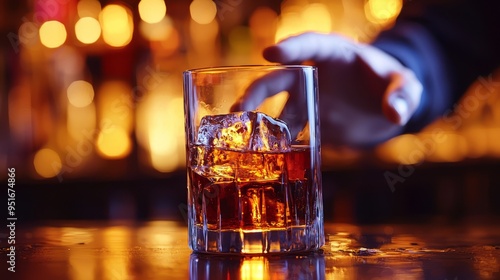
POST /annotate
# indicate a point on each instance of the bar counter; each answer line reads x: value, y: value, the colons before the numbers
x: 158, y: 250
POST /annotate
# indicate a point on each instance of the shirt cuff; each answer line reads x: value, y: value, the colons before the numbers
x: 417, y: 50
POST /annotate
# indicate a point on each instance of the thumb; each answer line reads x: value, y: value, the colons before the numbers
x: 311, y: 46
x: 402, y: 97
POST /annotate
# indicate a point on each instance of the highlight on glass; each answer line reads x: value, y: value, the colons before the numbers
x: 253, y: 159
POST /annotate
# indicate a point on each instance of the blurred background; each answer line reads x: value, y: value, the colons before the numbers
x: 92, y: 111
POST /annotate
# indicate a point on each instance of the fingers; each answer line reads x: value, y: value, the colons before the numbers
x: 272, y: 84
x: 311, y: 46
x: 402, y: 97
x: 264, y: 87
x: 293, y: 113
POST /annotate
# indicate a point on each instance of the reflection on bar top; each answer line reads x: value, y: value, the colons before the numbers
x: 158, y: 250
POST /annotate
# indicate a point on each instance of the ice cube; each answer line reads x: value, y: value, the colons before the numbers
x: 244, y: 131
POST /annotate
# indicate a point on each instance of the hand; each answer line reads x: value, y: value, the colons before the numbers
x: 366, y: 96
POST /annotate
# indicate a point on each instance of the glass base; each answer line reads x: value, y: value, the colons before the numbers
x: 294, y: 239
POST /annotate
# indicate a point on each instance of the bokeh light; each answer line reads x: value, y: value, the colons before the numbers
x: 403, y: 149
x: 208, y: 32
x: 163, y: 140
x: 452, y: 149
x: 296, y: 19
x: 81, y: 124
x: 114, y: 105
x: 113, y: 143
x: 169, y: 46
x: 493, y: 134
x: 47, y: 163
x: 263, y: 22
x: 289, y: 22
x: 160, y: 126
x: 52, y: 34
x: 152, y: 11
x: 203, y: 11
x: 117, y: 25
x: 477, y: 141
x: 159, y: 31
x: 80, y: 93
x: 88, y: 8
x: 115, y: 119
x: 28, y: 33
x: 379, y: 11
x: 316, y: 17
x: 204, y: 43
x: 239, y: 39
x: 87, y: 30
x: 203, y: 35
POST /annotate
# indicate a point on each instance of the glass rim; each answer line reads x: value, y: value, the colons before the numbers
x: 228, y: 68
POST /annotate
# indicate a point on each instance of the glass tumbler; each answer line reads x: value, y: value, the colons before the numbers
x: 253, y: 159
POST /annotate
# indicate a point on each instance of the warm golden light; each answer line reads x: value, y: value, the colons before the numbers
x: 167, y: 47
x: 404, y: 149
x: 73, y: 235
x: 477, y: 141
x: 159, y: 31
x: 88, y: 8
x: 253, y: 268
x: 117, y: 25
x: 263, y: 22
x: 273, y: 106
x: 203, y: 11
x: 47, y: 163
x: 115, y: 119
x: 316, y: 17
x: 239, y: 39
x: 297, y: 19
x: 493, y: 134
x: 52, y: 34
x: 117, y: 237
x: 81, y: 123
x: 289, y: 23
x: 204, y: 41
x: 113, y: 143
x: 28, y: 32
x: 152, y: 11
x: 160, y: 129
x: 453, y: 148
x: 206, y: 50
x: 114, y: 100
x: 382, y: 10
x: 203, y: 35
x: 82, y: 266
x: 117, y: 265
x: 80, y: 93
x: 87, y: 30
x: 164, y: 160
x: 153, y: 235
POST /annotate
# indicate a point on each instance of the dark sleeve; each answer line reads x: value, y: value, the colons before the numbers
x: 448, y: 45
